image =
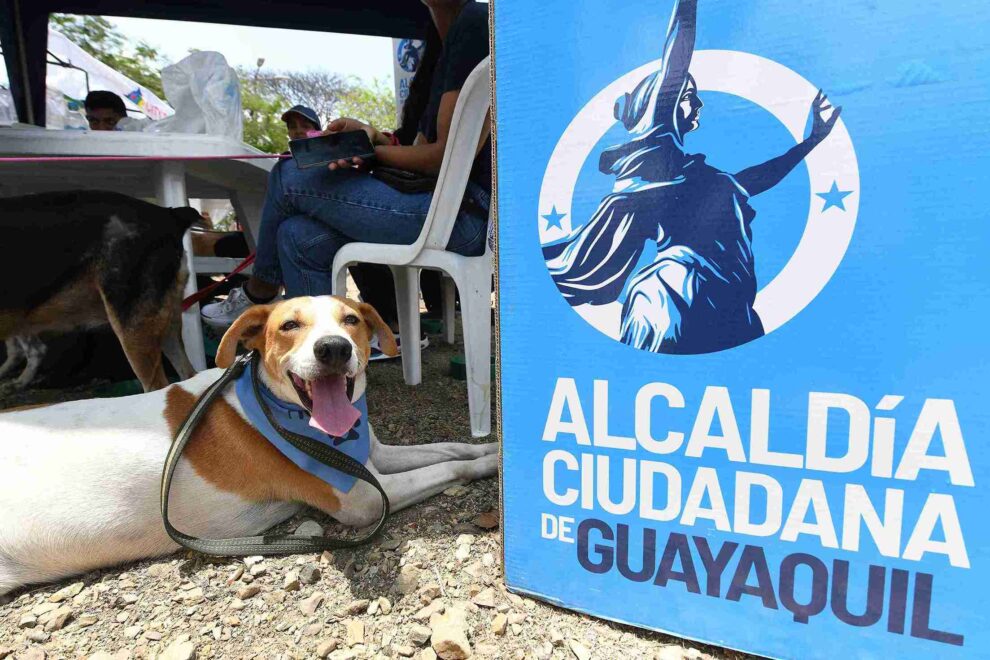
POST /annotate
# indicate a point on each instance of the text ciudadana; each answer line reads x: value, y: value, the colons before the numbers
x: 866, y: 508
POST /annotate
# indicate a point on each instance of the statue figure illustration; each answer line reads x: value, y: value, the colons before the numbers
x: 697, y: 295
x: 410, y: 53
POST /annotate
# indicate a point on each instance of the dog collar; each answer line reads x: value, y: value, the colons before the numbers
x: 356, y: 444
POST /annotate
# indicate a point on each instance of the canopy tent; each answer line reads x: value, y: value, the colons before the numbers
x: 24, y: 28
x: 76, y: 72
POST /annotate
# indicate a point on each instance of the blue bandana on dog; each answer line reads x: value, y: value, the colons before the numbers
x: 355, y: 444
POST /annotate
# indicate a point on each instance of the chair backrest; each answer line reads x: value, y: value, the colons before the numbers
x: 473, y: 103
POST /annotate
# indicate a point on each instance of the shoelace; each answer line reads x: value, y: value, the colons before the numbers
x: 232, y: 300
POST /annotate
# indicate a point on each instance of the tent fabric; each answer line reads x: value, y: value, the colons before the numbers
x: 73, y: 83
x: 24, y: 27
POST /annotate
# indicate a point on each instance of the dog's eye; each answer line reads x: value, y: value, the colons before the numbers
x: 350, y: 319
x: 289, y: 326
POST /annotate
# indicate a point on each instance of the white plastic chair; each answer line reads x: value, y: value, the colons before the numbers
x: 471, y: 275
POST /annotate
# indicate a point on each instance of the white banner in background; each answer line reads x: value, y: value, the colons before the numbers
x: 71, y: 82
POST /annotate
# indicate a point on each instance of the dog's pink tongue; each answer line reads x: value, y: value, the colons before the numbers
x: 333, y: 412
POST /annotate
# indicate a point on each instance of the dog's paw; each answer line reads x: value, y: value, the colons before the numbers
x: 10, y: 387
x: 16, y: 385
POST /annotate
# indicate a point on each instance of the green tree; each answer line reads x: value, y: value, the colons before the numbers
x: 266, y: 96
x: 373, y: 104
x: 97, y: 36
x: 319, y: 90
x: 263, y: 97
x: 262, y: 107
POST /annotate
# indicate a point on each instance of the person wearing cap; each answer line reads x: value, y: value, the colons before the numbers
x: 374, y: 282
x: 300, y: 120
x: 104, y: 110
x: 309, y: 213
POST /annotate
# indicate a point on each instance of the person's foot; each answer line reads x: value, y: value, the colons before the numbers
x: 376, y: 350
x: 222, y: 314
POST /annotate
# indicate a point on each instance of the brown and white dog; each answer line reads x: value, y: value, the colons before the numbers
x: 79, y: 481
x: 80, y: 259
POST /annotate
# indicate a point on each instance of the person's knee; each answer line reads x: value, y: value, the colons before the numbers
x: 290, y: 234
x: 306, y: 242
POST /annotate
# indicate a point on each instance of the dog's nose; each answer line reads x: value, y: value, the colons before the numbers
x: 332, y: 350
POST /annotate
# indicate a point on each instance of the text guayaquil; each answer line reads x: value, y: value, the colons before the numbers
x: 843, y: 436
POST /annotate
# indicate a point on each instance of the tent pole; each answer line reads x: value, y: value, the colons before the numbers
x: 22, y: 60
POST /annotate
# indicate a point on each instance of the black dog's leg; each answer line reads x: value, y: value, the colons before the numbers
x: 31, y: 352
x: 15, y: 358
x: 34, y: 350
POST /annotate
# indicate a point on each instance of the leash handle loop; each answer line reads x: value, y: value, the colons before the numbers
x: 267, y: 544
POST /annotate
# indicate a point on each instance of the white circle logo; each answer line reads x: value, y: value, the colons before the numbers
x: 832, y: 169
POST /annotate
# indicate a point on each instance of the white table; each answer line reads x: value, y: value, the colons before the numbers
x: 172, y: 183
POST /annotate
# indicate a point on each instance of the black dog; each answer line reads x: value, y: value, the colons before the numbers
x: 83, y: 259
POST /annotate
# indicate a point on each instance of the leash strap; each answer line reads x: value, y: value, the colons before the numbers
x: 268, y: 544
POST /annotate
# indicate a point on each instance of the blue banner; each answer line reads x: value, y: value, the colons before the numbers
x: 743, y: 284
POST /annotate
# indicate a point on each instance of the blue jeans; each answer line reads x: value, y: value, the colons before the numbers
x: 309, y: 214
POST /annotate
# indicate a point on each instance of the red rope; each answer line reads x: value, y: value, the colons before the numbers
x: 206, y: 291
x: 105, y: 159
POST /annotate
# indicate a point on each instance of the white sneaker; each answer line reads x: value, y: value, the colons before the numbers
x: 376, y: 349
x: 222, y: 314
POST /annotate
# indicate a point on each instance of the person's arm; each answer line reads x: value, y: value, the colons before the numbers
x: 422, y: 156
x: 763, y: 177
x: 677, y: 50
x: 654, y: 100
x: 465, y: 46
x: 426, y: 157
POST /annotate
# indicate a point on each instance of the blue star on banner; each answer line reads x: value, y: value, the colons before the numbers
x: 553, y: 218
x: 834, y: 197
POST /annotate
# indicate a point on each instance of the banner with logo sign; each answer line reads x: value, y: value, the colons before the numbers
x: 743, y: 283
x: 406, y: 56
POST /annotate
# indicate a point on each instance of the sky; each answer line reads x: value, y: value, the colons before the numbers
x: 284, y: 50
x: 293, y: 50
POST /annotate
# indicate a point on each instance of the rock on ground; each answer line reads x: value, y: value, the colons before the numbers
x: 179, y: 651
x: 449, y: 634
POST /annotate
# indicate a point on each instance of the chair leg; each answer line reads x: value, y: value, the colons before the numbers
x: 476, y: 323
x: 449, y: 308
x: 407, y: 303
x: 340, y: 281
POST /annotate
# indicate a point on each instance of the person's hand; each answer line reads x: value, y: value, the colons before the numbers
x: 821, y: 127
x: 345, y: 124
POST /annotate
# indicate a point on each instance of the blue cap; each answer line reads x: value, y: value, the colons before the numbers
x: 306, y: 113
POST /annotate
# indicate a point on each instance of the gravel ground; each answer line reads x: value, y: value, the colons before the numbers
x: 430, y: 584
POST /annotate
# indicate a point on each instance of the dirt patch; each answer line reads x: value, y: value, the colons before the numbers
x: 432, y: 581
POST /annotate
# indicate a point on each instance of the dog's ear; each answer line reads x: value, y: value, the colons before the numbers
x: 385, y: 337
x: 248, y: 329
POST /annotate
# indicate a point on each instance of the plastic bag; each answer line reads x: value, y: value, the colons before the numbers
x: 56, y: 109
x: 134, y: 124
x: 206, y: 95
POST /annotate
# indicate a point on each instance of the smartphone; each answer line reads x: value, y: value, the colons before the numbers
x: 326, y: 149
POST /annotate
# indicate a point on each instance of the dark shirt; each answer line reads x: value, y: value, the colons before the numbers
x: 465, y: 45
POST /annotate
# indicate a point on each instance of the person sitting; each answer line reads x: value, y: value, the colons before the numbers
x: 309, y: 214
x: 104, y: 110
x: 300, y: 121
x: 373, y: 281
